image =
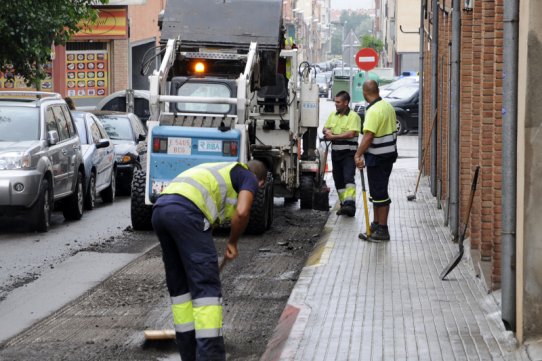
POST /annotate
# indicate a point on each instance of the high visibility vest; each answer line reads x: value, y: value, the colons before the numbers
x: 288, y: 43
x: 209, y: 187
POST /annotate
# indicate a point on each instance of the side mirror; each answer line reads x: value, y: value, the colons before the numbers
x: 52, y: 137
x: 103, y: 143
x: 141, y: 137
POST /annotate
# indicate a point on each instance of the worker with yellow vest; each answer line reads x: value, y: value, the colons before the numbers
x: 342, y: 129
x: 183, y: 216
x: 378, y: 152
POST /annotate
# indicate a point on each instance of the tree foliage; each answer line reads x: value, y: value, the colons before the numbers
x: 349, y: 20
x: 369, y: 41
x: 29, y: 28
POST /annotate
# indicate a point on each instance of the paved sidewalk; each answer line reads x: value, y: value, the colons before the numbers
x: 357, y: 300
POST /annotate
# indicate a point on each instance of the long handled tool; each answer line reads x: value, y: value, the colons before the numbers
x: 169, y: 334
x: 459, y: 255
x: 365, y: 206
x: 412, y: 197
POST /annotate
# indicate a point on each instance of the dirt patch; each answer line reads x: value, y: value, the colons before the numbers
x: 107, y: 322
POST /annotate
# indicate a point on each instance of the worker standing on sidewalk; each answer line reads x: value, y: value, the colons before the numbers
x: 182, y: 218
x: 378, y: 152
x: 342, y: 129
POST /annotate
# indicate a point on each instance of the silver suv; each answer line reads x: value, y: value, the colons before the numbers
x: 40, y: 158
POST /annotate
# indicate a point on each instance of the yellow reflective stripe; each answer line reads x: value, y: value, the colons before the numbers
x: 182, y: 313
x: 341, y: 194
x: 208, y: 199
x: 208, y: 317
x: 350, y: 192
x: 382, y: 201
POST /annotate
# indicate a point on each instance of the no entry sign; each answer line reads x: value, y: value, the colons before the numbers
x: 367, y: 59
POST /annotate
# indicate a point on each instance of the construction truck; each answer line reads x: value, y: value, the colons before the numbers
x: 227, y: 90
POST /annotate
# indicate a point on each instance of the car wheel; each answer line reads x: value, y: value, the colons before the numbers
x: 41, y: 211
x: 401, y: 126
x: 108, y: 194
x: 90, y: 199
x: 74, y: 204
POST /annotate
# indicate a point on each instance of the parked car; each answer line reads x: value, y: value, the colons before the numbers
x: 117, y: 102
x: 98, y: 158
x: 40, y: 158
x: 405, y: 102
x: 128, y: 134
x: 324, y: 83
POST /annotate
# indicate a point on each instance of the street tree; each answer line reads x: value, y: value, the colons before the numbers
x: 369, y: 41
x: 31, y: 28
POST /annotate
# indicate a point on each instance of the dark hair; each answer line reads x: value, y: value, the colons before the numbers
x: 70, y: 103
x: 258, y: 168
x: 343, y: 95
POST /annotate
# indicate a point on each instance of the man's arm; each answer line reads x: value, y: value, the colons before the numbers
x: 346, y: 135
x: 366, y: 142
x: 239, y: 222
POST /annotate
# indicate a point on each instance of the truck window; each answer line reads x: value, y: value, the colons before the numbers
x: 207, y: 90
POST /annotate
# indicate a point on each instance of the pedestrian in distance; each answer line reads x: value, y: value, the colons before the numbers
x: 342, y: 129
x: 182, y: 217
x: 70, y: 102
x: 378, y: 151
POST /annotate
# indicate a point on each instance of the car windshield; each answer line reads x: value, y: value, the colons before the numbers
x: 404, y: 92
x: 321, y: 78
x: 81, y: 129
x: 205, y: 90
x: 118, y: 128
x: 399, y: 83
x: 19, y: 124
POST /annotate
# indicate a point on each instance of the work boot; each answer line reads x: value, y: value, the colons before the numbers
x: 340, y: 211
x: 380, y: 234
x: 349, y: 210
x: 363, y: 235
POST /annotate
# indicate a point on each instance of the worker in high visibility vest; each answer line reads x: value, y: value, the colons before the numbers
x: 182, y: 218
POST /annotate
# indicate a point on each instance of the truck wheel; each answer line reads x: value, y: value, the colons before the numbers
x: 73, y: 206
x: 306, y: 191
x: 90, y: 199
x: 259, y: 220
x: 40, y: 214
x: 108, y: 194
x: 140, y: 212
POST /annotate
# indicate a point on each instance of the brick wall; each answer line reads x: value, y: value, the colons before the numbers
x: 119, y: 65
x: 480, y: 120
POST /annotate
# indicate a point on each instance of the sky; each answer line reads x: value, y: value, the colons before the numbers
x: 352, y: 4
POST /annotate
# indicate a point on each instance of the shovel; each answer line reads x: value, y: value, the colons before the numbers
x: 455, y: 261
x: 365, y: 206
x: 169, y: 334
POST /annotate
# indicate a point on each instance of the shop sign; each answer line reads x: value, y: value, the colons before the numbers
x: 111, y: 24
x: 10, y: 80
x: 87, y: 73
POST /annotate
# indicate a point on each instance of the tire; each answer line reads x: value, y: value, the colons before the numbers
x: 141, y: 213
x: 401, y: 126
x: 306, y: 191
x: 73, y: 206
x: 90, y: 198
x: 108, y: 194
x: 40, y: 214
x: 259, y: 220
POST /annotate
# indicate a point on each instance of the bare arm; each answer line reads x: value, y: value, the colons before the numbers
x: 366, y: 142
x: 328, y: 135
x: 239, y: 222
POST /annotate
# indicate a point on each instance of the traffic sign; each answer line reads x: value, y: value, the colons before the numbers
x: 367, y: 59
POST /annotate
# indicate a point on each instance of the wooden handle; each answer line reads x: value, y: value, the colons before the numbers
x: 159, y: 334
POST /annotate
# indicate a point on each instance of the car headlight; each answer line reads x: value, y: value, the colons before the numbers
x: 125, y: 158
x: 14, y: 160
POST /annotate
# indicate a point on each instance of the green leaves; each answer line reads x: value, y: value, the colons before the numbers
x: 30, y: 28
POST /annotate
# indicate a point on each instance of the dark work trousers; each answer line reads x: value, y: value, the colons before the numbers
x: 344, y: 170
x: 191, y: 266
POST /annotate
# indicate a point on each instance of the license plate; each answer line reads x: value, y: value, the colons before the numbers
x: 179, y: 146
x: 209, y: 145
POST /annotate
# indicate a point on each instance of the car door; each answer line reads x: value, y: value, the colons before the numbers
x: 412, y: 110
x: 99, y: 156
x: 109, y: 151
x: 55, y: 154
x: 69, y: 143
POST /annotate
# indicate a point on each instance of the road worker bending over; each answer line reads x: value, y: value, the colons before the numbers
x: 182, y: 218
